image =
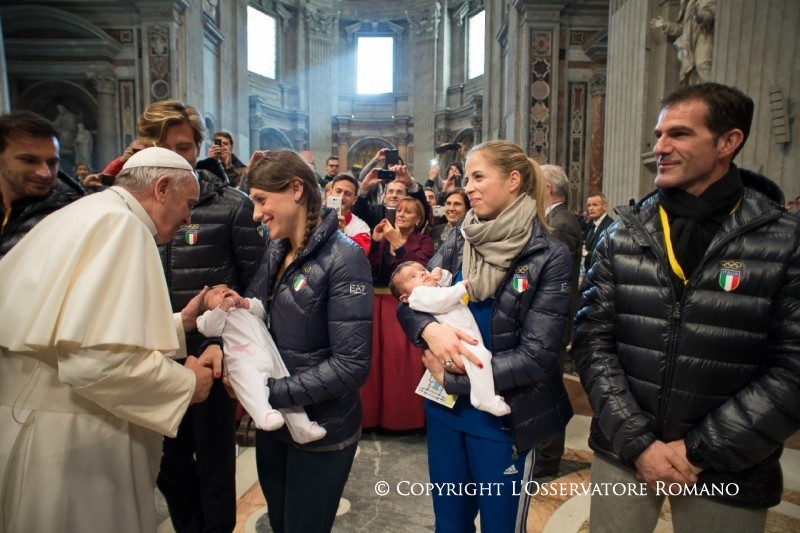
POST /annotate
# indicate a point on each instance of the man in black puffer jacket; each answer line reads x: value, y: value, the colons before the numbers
x: 688, y: 339
x: 221, y: 245
x: 31, y: 187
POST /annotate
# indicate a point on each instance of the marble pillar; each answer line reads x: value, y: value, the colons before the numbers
x: 256, y: 123
x: 105, y: 83
x: 597, y: 89
x: 425, y: 30
x: 342, y: 147
x: 5, y: 105
x: 321, y: 32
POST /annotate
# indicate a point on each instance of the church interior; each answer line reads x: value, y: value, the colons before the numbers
x: 576, y: 83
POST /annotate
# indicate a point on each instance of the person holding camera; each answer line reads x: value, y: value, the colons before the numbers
x: 388, y: 395
x: 222, y: 150
x: 398, y: 184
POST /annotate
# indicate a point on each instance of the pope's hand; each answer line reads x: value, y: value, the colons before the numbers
x: 203, y: 379
x: 193, y: 310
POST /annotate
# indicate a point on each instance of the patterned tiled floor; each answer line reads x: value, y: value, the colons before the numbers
x: 404, y: 457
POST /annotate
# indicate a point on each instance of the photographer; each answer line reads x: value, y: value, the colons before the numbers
x: 397, y: 186
x: 222, y: 150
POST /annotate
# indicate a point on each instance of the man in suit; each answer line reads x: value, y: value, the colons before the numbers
x: 565, y: 228
x: 597, y: 207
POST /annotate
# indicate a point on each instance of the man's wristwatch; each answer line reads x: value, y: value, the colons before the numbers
x: 695, y: 457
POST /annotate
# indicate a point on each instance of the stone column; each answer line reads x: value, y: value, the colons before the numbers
x: 159, y: 43
x: 425, y: 29
x: 5, y: 105
x: 256, y: 123
x: 320, y: 65
x: 105, y: 83
x: 597, y: 89
x: 343, y: 145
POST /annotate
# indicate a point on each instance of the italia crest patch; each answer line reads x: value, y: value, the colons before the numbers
x: 520, y: 282
x: 300, y: 282
x: 730, y: 274
x: 190, y: 236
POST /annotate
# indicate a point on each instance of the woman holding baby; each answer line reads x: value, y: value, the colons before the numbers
x: 519, y: 292
x: 316, y: 288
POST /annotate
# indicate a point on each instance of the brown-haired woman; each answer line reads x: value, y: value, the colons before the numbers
x: 519, y: 289
x: 316, y: 288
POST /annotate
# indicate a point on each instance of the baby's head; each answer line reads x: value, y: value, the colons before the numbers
x: 216, y: 294
x: 406, y: 277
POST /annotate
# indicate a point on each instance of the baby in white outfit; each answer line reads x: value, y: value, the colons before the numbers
x: 430, y: 292
x: 250, y: 358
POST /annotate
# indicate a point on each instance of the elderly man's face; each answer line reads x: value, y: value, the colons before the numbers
x: 173, y: 207
x: 28, y: 167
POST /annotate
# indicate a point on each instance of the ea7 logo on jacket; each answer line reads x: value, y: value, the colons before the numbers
x: 730, y: 274
x: 190, y: 236
x: 358, y: 288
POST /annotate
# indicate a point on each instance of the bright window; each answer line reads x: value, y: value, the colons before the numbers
x: 375, y: 68
x: 475, y: 50
x: 260, y: 43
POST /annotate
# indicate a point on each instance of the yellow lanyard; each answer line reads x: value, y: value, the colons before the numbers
x: 6, y: 218
x: 673, y: 261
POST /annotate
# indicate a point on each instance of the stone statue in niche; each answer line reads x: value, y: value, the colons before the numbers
x: 692, y: 35
x: 83, y: 146
x: 66, y: 124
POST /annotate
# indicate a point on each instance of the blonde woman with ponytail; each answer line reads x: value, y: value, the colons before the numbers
x: 316, y: 287
x: 519, y: 293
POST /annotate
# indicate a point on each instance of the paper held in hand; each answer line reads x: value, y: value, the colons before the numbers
x: 429, y: 388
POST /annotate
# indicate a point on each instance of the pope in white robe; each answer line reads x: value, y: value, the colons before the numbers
x: 86, y: 388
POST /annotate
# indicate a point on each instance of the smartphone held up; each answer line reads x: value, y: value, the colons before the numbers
x: 334, y: 202
x: 386, y: 175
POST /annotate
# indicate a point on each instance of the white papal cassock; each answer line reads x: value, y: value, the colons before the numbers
x: 86, y: 392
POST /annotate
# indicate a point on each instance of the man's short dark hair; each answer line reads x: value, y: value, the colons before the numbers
x: 332, y: 158
x: 25, y: 122
x: 223, y: 134
x: 344, y: 176
x: 728, y: 107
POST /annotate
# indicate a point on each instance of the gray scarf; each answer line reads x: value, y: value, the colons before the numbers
x: 492, y: 245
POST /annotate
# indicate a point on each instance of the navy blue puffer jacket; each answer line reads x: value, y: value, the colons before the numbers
x: 320, y: 315
x: 719, y: 368
x: 527, y: 329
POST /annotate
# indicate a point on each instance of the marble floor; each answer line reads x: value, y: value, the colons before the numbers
x: 394, y: 458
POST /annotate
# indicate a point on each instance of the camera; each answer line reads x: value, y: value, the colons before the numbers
x: 457, y: 181
x: 392, y: 157
x: 390, y: 214
x: 334, y: 202
x: 386, y: 175
x: 438, y: 210
x: 447, y: 148
x: 218, y: 142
